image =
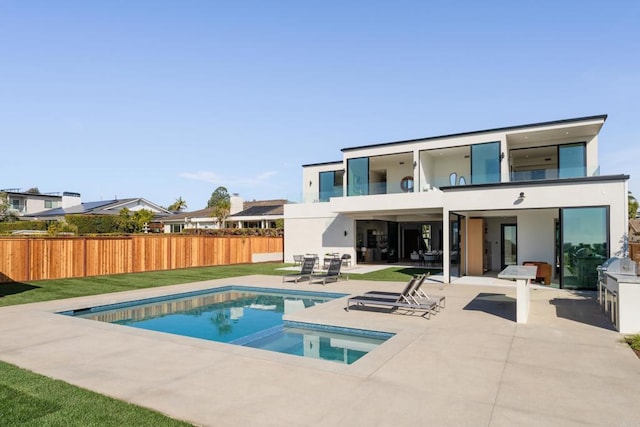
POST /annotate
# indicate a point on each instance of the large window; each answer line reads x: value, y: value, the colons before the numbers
x: 585, y: 243
x: 572, y: 161
x: 485, y: 163
x: 331, y: 184
x: 358, y: 176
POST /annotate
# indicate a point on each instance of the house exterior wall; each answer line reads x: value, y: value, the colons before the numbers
x: 612, y: 194
x: 315, y: 229
x: 310, y: 227
x: 536, y: 236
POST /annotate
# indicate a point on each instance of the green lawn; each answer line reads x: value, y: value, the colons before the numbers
x: 29, y: 399
x: 47, y: 290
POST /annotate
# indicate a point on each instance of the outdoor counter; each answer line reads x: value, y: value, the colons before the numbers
x: 622, y: 299
x: 523, y: 275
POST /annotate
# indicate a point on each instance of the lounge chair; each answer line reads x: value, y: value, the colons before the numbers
x: 416, y: 295
x: 403, y: 300
x: 332, y: 274
x: 297, y: 259
x: 305, y: 271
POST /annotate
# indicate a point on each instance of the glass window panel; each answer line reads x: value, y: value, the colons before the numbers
x: 330, y: 184
x: 584, y: 246
x: 509, y: 245
x: 326, y: 186
x: 358, y: 176
x: 485, y: 163
x: 572, y: 161
x: 454, y: 256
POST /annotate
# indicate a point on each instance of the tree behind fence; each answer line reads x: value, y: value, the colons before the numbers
x: 26, y: 259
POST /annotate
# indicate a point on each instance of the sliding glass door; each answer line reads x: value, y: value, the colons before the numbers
x: 584, y: 235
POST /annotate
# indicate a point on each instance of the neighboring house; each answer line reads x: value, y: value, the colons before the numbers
x: 254, y: 214
x: 178, y: 222
x: 24, y: 203
x: 103, y: 207
x: 477, y: 200
x: 258, y: 214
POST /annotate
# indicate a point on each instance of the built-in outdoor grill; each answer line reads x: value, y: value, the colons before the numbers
x: 616, y: 265
x: 618, y: 284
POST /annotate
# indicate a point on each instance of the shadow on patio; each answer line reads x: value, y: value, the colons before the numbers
x: 585, y: 310
x: 496, y: 304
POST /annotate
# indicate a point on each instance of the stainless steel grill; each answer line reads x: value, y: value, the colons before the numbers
x: 617, y: 265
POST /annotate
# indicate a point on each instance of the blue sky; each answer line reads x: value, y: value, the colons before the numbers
x: 167, y: 99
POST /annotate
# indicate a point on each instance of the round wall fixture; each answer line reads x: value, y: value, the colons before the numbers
x: 406, y: 184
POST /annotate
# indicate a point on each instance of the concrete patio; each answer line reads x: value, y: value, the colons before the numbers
x: 471, y: 364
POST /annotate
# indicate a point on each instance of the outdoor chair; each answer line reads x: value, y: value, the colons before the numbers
x: 416, y: 295
x: 315, y: 257
x: 305, y: 272
x: 297, y: 259
x: 328, y: 258
x: 415, y: 257
x: 402, y: 301
x: 430, y: 258
x: 346, y: 260
x: 332, y: 274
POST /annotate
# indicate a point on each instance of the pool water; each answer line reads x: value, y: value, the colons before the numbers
x: 251, y: 317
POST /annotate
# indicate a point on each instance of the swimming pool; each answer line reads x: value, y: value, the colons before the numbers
x: 246, y: 316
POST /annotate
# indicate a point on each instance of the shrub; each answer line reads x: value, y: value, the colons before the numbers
x: 8, y: 227
x: 633, y: 341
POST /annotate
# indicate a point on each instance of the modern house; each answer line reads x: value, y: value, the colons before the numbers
x: 473, y: 202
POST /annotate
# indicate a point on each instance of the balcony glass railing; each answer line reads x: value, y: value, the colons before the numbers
x: 539, y: 174
x: 440, y: 181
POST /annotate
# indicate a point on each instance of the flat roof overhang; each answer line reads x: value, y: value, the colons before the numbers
x: 539, y: 182
x: 545, y: 194
x: 420, y: 203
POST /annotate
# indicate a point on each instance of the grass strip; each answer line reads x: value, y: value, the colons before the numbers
x: 29, y: 399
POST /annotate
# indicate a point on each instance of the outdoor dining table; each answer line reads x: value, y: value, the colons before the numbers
x: 523, y: 275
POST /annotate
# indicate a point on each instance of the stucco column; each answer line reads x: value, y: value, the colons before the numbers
x: 446, y: 246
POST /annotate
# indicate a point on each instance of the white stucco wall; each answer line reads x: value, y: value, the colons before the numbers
x: 315, y: 228
x: 536, y: 236
x: 598, y: 193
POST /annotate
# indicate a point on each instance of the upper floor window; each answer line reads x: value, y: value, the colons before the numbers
x: 330, y: 184
x: 358, y: 176
x: 548, y: 162
x: 572, y: 161
x: 485, y: 163
x: 48, y: 204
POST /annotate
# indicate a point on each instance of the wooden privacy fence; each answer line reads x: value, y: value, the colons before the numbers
x: 634, y: 251
x: 26, y: 259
